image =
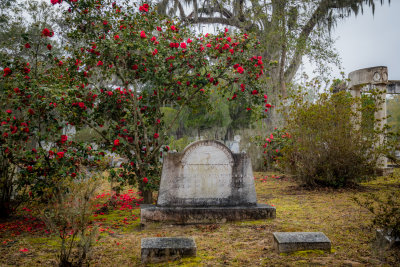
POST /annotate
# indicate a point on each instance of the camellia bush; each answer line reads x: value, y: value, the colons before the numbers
x: 36, y: 153
x: 127, y: 63
x: 329, y: 145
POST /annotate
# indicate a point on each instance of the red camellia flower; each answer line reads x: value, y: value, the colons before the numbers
x: 159, y: 29
x: 27, y: 45
x: 29, y: 168
x: 142, y: 34
x: 156, y: 135
x: 49, y: 46
x: 73, y: 174
x: 60, y: 154
x: 240, y: 70
x: 173, y: 28
x: 100, y: 63
x: 27, y: 70
x: 46, y: 32
x: 116, y: 37
x: 116, y: 142
x: 155, y: 52
x: 189, y: 41
x: 144, y: 8
x: 7, y: 71
x: 254, y: 92
x: 56, y: 1
x: 9, y: 111
x: 64, y: 138
x: 145, y: 180
x: 183, y: 45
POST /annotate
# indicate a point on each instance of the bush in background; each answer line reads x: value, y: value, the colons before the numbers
x: 330, y: 147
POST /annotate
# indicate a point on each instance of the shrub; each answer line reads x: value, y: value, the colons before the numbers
x: 330, y: 146
x: 69, y: 215
x: 386, y: 210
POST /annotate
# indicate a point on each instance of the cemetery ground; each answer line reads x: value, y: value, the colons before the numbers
x: 24, y: 242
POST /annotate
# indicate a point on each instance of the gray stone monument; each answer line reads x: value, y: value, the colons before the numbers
x: 206, y: 183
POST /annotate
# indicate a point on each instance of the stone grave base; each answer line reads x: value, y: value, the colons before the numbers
x: 296, y: 241
x: 199, y: 215
x: 158, y: 249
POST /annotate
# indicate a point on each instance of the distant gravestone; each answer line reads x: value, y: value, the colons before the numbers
x: 206, y: 183
x: 158, y: 249
x: 297, y: 241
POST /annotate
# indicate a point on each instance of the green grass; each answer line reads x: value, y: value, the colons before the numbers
x: 247, y: 243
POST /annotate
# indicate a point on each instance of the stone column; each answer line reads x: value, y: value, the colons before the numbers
x: 356, y: 94
x: 376, y: 76
x: 380, y: 116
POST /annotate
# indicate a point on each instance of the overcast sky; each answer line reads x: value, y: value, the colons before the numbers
x: 370, y: 40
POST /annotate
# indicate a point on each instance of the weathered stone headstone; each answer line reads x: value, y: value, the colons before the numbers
x: 157, y: 249
x: 206, y: 183
x: 297, y: 241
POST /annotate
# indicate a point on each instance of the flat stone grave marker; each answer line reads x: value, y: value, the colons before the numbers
x: 157, y: 249
x: 296, y: 241
x: 206, y: 183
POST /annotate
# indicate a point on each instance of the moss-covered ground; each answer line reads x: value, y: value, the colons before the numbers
x: 246, y: 243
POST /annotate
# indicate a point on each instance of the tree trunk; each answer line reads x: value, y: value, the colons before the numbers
x: 147, y: 196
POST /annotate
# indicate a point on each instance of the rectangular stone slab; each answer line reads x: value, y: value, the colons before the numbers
x: 158, y: 249
x: 199, y: 215
x: 297, y: 241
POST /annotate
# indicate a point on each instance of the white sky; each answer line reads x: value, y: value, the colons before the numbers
x: 370, y: 40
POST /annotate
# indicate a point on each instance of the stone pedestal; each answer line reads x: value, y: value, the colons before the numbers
x: 197, y: 215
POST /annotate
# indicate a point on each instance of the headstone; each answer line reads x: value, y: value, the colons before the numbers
x: 159, y: 249
x: 296, y: 241
x: 206, y: 183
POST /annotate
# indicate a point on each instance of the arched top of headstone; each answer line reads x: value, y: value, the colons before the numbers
x: 373, y: 75
x: 207, y: 152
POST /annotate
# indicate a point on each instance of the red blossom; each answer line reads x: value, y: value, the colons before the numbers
x: 156, y: 135
x: 64, y: 138
x: 49, y: 46
x: 60, y: 154
x: 7, y: 71
x: 116, y: 142
x: 144, y: 8
x: 142, y: 34
x: 240, y: 70
x: 183, y: 45
x: 145, y: 180
x: 46, y: 32
x: 27, y: 45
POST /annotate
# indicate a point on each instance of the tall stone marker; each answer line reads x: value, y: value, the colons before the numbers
x: 206, y: 183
